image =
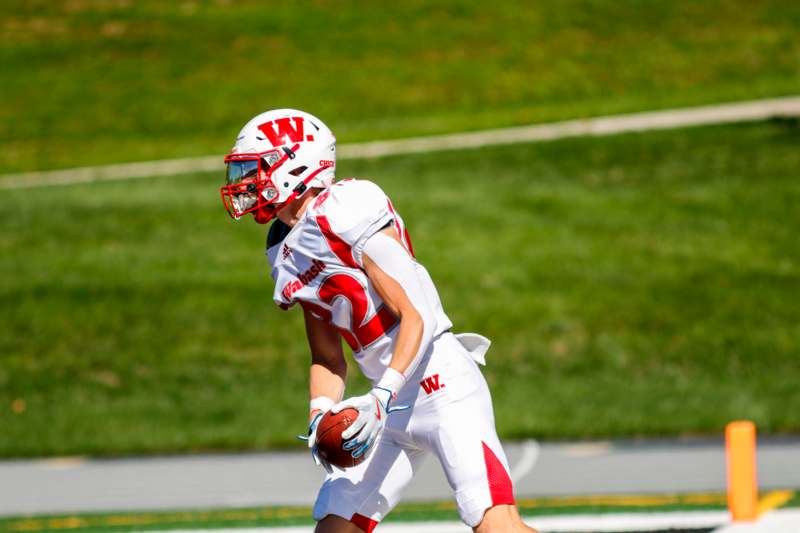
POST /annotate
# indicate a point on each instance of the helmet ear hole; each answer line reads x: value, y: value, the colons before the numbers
x: 299, y: 170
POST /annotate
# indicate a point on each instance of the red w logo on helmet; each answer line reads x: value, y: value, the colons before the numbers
x: 281, y: 131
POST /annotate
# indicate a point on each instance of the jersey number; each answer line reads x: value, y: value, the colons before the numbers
x: 362, y: 332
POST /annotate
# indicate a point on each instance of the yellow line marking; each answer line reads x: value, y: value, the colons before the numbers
x: 627, y: 500
x: 69, y: 522
x: 773, y: 500
x: 75, y: 522
x: 66, y: 523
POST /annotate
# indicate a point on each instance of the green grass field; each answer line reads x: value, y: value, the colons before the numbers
x: 641, y: 284
x: 93, y: 81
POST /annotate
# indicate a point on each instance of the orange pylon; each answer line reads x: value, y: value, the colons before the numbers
x: 740, y: 445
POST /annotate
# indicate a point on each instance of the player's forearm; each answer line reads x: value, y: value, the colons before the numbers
x: 325, y: 382
x: 413, y: 337
x: 328, y: 367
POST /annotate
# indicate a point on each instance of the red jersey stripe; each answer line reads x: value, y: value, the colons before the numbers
x: 342, y: 250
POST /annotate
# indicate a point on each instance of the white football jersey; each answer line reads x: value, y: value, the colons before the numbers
x: 318, y: 263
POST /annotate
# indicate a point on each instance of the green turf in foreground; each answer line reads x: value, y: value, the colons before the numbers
x: 795, y: 501
x: 276, y: 516
x: 636, y: 285
x: 92, y: 82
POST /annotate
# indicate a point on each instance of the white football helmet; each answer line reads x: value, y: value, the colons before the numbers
x: 277, y: 156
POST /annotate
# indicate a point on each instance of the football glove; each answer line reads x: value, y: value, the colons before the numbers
x: 311, y: 440
x: 373, y: 408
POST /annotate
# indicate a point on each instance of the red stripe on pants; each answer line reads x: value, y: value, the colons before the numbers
x: 499, y: 482
x: 364, y: 523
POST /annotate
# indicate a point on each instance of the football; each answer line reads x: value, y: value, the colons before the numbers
x: 329, y: 438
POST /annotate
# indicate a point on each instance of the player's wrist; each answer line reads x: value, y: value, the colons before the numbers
x: 392, y: 381
x: 384, y: 396
x: 386, y: 389
x: 319, y: 405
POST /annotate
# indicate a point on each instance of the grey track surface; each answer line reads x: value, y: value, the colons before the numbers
x: 206, y: 481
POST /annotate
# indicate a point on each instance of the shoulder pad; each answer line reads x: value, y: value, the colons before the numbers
x: 353, y: 211
x: 353, y: 203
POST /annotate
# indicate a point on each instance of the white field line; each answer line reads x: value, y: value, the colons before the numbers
x: 672, y: 118
x: 778, y: 521
x: 556, y: 524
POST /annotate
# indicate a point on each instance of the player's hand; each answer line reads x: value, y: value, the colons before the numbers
x: 312, y: 443
x: 373, y: 408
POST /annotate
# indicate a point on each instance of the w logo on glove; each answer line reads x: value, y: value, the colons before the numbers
x: 431, y: 384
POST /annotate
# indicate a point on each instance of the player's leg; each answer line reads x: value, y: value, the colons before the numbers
x: 465, y: 440
x: 355, y: 500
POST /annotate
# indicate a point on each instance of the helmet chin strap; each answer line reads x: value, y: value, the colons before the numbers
x: 264, y: 214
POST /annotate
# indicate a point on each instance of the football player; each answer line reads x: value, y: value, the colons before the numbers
x: 341, y: 251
